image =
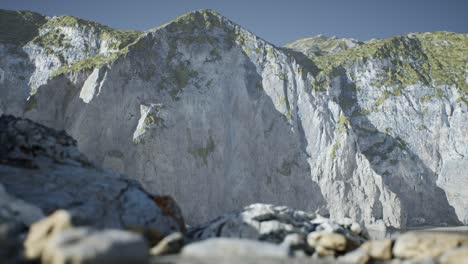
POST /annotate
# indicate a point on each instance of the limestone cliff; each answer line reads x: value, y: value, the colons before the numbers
x: 219, y: 118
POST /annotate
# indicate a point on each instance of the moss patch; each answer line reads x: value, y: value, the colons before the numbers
x: 334, y: 149
x: 153, y: 119
x: 286, y: 167
x: 343, y: 124
x: 203, y: 152
x: 177, y: 79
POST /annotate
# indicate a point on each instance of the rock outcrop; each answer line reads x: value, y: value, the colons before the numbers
x: 297, y: 231
x: 208, y: 112
x: 44, y: 168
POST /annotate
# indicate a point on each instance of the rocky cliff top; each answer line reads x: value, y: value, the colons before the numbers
x: 322, y: 45
x: 432, y: 59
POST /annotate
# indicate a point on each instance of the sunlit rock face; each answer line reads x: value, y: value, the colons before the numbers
x: 213, y: 115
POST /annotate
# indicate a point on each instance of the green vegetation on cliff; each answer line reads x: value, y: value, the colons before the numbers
x: 322, y: 45
x: 432, y: 59
x: 54, y: 38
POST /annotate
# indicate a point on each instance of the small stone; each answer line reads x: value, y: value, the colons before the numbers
x: 333, y: 241
x: 355, y: 228
x: 233, y: 247
x: 455, y: 256
x: 378, y: 249
x: 171, y: 244
x: 313, y: 238
x: 420, y: 246
x: 86, y: 245
x: 41, y: 232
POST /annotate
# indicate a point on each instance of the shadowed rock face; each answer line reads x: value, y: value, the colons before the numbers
x: 219, y: 118
x: 43, y: 167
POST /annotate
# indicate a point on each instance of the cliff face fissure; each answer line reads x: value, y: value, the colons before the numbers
x: 204, y: 110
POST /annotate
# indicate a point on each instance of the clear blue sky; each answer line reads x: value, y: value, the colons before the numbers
x: 278, y: 21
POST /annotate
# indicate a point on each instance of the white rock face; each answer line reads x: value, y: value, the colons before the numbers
x: 219, y: 118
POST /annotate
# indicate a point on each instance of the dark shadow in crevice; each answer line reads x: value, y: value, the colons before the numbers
x: 386, y: 153
x: 302, y: 60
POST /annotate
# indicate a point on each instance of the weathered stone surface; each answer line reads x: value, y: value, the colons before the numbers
x: 16, y: 210
x: 270, y: 223
x: 422, y: 246
x: 170, y: 208
x: 455, y: 256
x: 331, y: 241
x: 43, y: 167
x: 171, y: 244
x: 205, y: 105
x: 85, y: 245
x: 378, y: 249
x: 42, y: 232
x: 232, y: 247
x: 257, y: 221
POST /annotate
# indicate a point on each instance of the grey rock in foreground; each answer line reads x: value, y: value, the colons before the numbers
x: 43, y: 167
x: 16, y: 210
x: 89, y: 246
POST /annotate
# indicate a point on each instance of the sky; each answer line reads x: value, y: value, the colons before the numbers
x: 277, y: 21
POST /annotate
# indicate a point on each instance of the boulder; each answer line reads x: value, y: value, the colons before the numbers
x: 43, y: 167
x: 13, y: 209
x: 420, y: 245
x: 91, y: 246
